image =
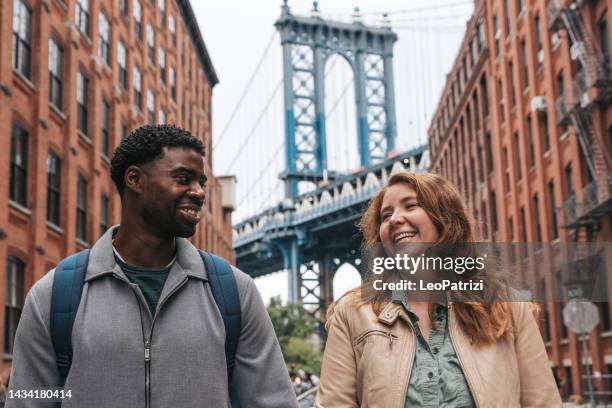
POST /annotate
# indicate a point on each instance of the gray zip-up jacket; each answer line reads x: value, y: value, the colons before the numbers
x: 186, y: 365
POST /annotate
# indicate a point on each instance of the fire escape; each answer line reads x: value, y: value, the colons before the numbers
x: 591, y: 86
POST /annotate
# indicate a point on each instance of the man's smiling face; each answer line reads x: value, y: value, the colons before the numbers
x: 174, y: 192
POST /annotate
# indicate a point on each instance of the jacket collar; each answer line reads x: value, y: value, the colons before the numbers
x: 102, y: 259
x: 395, y: 308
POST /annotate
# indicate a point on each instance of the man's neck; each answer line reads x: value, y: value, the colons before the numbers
x: 143, y: 249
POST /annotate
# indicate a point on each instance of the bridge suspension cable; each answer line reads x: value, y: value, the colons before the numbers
x: 246, y: 90
x: 403, y: 11
x: 254, y: 127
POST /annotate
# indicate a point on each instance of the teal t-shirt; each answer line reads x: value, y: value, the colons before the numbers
x: 149, y: 280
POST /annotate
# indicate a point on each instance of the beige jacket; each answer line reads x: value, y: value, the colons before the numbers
x: 368, y: 359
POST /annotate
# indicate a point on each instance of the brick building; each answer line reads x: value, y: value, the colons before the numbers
x: 75, y: 77
x: 524, y: 129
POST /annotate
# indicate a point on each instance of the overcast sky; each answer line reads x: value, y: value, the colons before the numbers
x: 236, y: 34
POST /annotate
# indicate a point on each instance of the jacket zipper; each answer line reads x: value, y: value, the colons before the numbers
x: 147, y: 341
x: 467, y: 377
x: 147, y: 347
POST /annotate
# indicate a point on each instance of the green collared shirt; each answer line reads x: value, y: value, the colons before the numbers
x: 437, y: 379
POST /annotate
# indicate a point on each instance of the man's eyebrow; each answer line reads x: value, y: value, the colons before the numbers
x: 184, y: 169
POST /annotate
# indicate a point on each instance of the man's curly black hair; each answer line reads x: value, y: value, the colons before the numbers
x: 146, y: 144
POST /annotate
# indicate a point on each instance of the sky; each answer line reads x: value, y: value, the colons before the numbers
x: 247, y: 103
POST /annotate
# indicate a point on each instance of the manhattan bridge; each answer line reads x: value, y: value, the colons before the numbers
x: 321, y: 138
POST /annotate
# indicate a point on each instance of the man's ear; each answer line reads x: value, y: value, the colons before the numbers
x: 134, y: 179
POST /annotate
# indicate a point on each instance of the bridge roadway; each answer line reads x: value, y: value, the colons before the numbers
x: 315, y: 233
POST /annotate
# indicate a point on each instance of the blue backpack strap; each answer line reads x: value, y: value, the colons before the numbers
x: 225, y: 292
x: 65, y: 298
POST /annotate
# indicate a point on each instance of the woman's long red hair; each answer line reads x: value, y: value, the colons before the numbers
x: 484, y: 322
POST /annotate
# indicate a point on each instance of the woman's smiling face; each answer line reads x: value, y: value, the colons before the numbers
x: 403, y: 221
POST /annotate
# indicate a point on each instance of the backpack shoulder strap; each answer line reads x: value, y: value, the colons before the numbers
x: 65, y: 298
x: 225, y: 292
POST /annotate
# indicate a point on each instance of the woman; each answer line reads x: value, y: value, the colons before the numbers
x: 386, y: 350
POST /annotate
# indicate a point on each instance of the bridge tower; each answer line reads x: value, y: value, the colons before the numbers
x: 307, y: 43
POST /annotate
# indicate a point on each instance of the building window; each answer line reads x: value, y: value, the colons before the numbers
x: 173, y: 83
x: 105, y: 127
x: 545, y: 133
x: 536, y: 220
x: 138, y: 20
x: 104, y: 202
x: 525, y: 67
x: 569, y: 180
x: 18, y: 191
x: 151, y: 43
x: 162, y: 117
x: 123, y: 6
x: 560, y: 83
x: 104, y: 36
x: 480, y: 35
x: 506, y: 171
x: 172, y: 27
x: 604, y: 36
x: 531, y: 162
x: 511, y: 78
x: 523, y: 224
x: 162, y: 64
x: 22, y: 38
x: 520, y: 5
x: 545, y: 317
x: 560, y: 303
x: 122, y: 63
x: 498, y: 34
x: 508, y: 19
x: 81, y: 227
x: 538, y: 33
x: 502, y: 102
x: 151, y: 107
x: 493, y: 206
x: 485, y: 96
x: 162, y: 11
x: 137, y: 88
x: 15, y: 295
x: 511, y: 230
x: 124, y: 130
x: 476, y: 111
x: 82, y: 97
x: 553, y: 210
x: 82, y: 16
x: 517, y: 157
x: 53, y: 188
x: 56, y: 73
x: 489, y: 152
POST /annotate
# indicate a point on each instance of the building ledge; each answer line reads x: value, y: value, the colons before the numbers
x: 55, y: 228
x: 23, y: 210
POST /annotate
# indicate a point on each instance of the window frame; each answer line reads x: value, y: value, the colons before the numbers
x: 18, y: 184
x: 22, y: 38
x: 54, y: 188
x: 56, y: 73
x: 14, y: 300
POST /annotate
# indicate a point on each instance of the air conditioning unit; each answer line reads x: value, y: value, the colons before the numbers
x: 577, y: 50
x: 541, y: 56
x: 555, y: 39
x: 538, y: 104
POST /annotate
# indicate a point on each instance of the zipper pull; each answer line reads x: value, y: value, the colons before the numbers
x: 390, y: 338
x: 147, y: 351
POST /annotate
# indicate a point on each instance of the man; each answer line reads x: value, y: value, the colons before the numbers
x: 148, y: 332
